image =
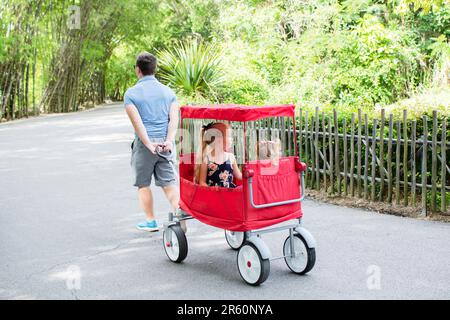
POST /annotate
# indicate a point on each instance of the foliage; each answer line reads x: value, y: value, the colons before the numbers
x: 192, y: 67
x: 344, y: 54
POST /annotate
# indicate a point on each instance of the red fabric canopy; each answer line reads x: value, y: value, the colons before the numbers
x: 232, y: 112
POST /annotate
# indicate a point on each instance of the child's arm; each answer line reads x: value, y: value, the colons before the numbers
x: 203, y: 173
x: 236, y: 171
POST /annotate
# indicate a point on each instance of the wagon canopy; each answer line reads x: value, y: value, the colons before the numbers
x: 233, y: 112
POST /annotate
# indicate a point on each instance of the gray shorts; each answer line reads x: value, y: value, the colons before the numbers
x: 145, y: 164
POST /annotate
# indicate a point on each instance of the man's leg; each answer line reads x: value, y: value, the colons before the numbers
x: 172, y: 194
x: 146, y: 201
x: 143, y: 163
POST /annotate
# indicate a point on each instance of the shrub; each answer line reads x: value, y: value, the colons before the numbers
x: 191, y: 67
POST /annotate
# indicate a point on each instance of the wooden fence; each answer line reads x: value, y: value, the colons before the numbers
x: 393, y: 161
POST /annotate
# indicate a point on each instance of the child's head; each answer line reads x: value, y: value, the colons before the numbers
x: 269, y: 150
x: 215, y: 136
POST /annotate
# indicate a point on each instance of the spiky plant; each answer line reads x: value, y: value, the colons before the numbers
x: 192, y: 67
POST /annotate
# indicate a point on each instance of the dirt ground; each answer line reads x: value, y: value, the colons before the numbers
x: 380, y: 207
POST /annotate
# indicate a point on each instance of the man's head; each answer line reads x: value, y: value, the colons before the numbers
x: 145, y: 64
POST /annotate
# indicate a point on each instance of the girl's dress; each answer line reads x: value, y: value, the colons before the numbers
x: 220, y: 175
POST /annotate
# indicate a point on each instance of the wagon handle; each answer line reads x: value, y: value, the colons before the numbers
x: 273, y: 204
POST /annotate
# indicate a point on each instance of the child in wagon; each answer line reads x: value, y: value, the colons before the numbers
x: 215, y: 166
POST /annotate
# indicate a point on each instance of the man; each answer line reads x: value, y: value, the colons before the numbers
x: 153, y: 111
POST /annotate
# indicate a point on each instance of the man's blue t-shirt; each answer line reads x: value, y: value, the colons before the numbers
x: 153, y: 100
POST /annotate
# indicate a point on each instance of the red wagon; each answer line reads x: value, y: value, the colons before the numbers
x: 270, y: 192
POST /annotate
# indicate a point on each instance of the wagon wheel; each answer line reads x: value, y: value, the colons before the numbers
x: 252, y: 267
x: 175, y: 243
x: 235, y: 239
x: 304, y: 258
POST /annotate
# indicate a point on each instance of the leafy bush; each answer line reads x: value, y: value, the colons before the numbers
x: 423, y: 103
x: 244, y: 91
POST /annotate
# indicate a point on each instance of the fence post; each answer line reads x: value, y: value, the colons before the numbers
x: 330, y: 147
x: 300, y: 136
x: 382, y: 155
x: 443, y: 165
x: 324, y: 150
x: 358, y: 170
x: 306, y: 146
x: 424, y: 165
x: 336, y: 150
x: 389, y: 158
x: 366, y: 158
x: 405, y: 157
x: 413, y: 162
x: 434, y: 162
x: 397, y: 163
x: 374, y: 157
x: 312, y: 153
x: 352, y: 155
x: 344, y: 131
x: 316, y: 146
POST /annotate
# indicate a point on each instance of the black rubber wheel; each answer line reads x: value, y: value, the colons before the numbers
x: 175, y: 243
x: 253, y: 269
x: 305, y: 258
x: 236, y: 240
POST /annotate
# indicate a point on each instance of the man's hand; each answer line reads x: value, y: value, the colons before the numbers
x: 139, y: 128
x: 167, y: 146
x: 152, y: 147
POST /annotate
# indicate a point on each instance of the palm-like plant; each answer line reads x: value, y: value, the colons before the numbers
x: 192, y: 67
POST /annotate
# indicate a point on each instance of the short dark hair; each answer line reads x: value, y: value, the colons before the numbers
x: 146, y: 62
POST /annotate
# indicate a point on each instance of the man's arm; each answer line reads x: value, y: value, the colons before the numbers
x: 173, y: 125
x: 139, y: 127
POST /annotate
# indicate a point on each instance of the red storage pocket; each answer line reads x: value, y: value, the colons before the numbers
x: 273, y: 184
x: 219, y: 207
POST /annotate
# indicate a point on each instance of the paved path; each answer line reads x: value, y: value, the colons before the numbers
x: 67, y: 205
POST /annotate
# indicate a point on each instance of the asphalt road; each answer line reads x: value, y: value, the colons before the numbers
x: 68, y: 208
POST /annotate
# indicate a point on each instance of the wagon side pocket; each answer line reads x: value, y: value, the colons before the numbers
x: 276, y: 188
